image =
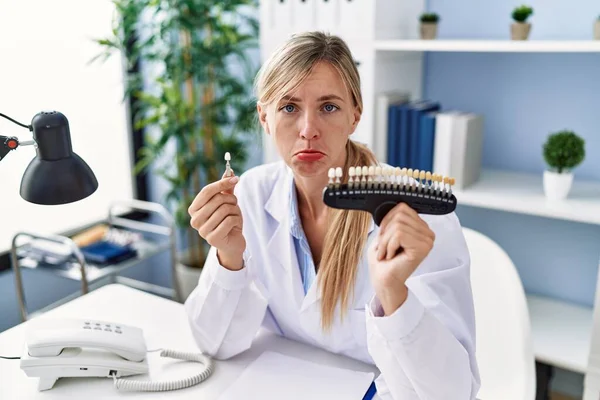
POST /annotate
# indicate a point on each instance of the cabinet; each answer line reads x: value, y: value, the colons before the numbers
x: 383, y: 35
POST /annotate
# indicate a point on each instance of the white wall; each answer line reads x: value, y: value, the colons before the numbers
x: 45, y: 47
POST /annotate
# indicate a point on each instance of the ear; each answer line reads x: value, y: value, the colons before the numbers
x: 356, y: 120
x: 262, y: 117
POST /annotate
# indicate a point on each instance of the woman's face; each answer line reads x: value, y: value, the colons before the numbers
x: 311, y: 126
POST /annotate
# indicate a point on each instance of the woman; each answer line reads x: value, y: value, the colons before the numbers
x: 281, y: 259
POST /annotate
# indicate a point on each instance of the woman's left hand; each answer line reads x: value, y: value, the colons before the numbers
x: 402, y: 229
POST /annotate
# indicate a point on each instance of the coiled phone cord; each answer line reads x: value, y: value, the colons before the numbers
x: 149, y: 386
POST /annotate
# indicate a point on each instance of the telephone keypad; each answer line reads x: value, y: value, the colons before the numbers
x: 97, y: 326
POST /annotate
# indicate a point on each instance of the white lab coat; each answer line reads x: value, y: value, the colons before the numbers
x: 425, y: 350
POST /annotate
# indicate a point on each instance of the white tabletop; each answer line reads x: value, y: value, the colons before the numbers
x: 165, y: 326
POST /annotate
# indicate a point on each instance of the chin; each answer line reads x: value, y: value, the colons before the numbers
x: 310, y: 168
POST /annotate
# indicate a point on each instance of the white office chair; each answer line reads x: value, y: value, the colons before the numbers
x: 504, y: 343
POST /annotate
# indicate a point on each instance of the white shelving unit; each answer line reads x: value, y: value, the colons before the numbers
x: 561, y: 332
x: 491, y: 46
x: 524, y: 193
x: 383, y: 35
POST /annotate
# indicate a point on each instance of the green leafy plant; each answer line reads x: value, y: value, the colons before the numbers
x: 521, y: 13
x: 429, y: 18
x: 198, y: 103
x: 564, y: 150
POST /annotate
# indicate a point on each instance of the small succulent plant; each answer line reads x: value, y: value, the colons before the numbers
x: 430, y: 17
x: 521, y: 13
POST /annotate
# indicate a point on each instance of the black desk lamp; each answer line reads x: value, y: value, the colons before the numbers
x: 56, y: 175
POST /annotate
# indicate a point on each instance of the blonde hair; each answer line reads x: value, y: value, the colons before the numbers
x: 347, y: 231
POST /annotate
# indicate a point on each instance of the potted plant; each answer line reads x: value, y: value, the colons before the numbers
x: 194, y: 102
x: 563, y: 151
x: 520, y: 28
x: 597, y: 29
x: 429, y: 25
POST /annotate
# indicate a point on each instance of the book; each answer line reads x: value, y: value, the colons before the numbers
x: 426, y: 141
x: 385, y: 119
x: 458, y: 146
x: 416, y: 112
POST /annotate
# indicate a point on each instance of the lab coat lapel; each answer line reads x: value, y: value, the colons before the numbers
x: 280, y: 246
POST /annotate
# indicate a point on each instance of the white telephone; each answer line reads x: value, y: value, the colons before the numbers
x: 90, y: 348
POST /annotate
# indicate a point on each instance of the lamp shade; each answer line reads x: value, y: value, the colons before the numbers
x: 56, y: 175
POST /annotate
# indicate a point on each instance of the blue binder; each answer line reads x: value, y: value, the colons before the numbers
x: 416, y: 112
x: 426, y: 141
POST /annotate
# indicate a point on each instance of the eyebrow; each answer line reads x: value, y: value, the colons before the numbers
x: 322, y: 98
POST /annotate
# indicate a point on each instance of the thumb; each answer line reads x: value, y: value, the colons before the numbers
x: 225, y: 176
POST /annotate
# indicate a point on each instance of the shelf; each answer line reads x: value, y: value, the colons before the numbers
x: 71, y: 270
x: 503, y: 46
x: 561, y: 332
x: 524, y: 193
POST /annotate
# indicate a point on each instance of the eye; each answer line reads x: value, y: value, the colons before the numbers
x: 288, y: 108
x: 330, y: 108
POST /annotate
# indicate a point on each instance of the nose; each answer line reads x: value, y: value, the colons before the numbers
x: 309, y: 129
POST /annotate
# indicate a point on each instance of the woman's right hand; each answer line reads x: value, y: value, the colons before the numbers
x: 218, y: 219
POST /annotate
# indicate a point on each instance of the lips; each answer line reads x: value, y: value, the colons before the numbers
x: 309, y: 155
x: 309, y: 151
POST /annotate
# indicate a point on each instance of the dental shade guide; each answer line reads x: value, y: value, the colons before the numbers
x: 378, y: 189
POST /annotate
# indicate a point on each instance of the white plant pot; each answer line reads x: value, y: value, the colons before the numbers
x: 187, y: 277
x: 557, y: 186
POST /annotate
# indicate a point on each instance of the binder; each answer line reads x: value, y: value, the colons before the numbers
x: 383, y: 122
x: 444, y: 136
x: 414, y: 135
x: 426, y: 141
x: 467, y: 149
x: 458, y: 147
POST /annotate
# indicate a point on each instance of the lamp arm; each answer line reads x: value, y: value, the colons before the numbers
x: 8, y: 143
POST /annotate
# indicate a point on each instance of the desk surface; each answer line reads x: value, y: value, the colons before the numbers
x: 165, y: 326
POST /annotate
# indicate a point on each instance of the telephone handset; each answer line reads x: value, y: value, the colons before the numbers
x: 91, y: 348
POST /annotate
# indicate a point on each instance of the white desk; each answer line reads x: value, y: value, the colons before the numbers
x: 165, y: 326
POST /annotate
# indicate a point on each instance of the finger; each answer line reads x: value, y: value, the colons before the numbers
x: 398, y: 208
x: 380, y: 249
x: 401, y: 236
x: 402, y: 217
x: 202, y: 215
x: 209, y: 191
x: 222, y: 212
x: 225, y: 227
x: 405, y: 240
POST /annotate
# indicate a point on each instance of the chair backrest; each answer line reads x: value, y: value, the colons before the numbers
x: 504, y: 343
